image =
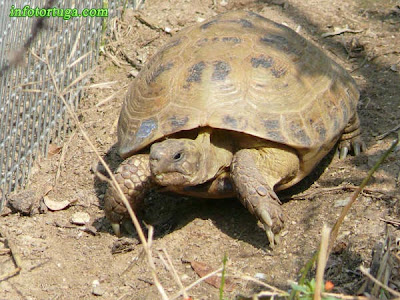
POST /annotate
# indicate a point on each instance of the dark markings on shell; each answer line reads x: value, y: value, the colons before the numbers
x: 208, y: 24
x: 230, y: 122
x: 299, y: 134
x: 268, y: 62
x: 161, y: 69
x: 202, y: 42
x: 146, y: 129
x: 245, y: 23
x: 221, y: 70
x: 271, y: 124
x: 195, y: 72
x: 177, y: 122
x: 278, y: 72
x: 231, y: 39
x: 334, y: 118
x: 276, y: 136
x: 171, y: 44
x: 277, y: 41
x: 319, y: 128
x: 253, y: 14
x: 265, y: 62
x: 345, y: 110
x: 321, y: 131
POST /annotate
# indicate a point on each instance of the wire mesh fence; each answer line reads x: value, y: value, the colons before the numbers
x: 32, y: 48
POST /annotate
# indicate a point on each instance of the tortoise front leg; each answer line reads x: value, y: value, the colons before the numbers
x: 134, y: 178
x: 256, y: 192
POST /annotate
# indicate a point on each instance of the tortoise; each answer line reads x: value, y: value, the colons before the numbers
x: 235, y: 106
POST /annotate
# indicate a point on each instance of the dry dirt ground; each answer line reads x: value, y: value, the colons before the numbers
x: 60, y: 260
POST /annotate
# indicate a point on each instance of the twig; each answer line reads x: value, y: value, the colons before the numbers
x: 366, y: 59
x: 62, y: 157
x: 372, y: 278
x: 344, y: 297
x: 16, y: 259
x: 322, y: 259
x: 172, y: 269
x: 393, y: 222
x: 79, y: 59
x: 102, y: 85
x: 337, y: 188
x: 272, y: 288
x: 149, y: 24
x: 338, y: 31
x: 383, y: 135
x: 74, y: 47
x: 196, y: 283
x: 114, y: 59
x: 111, y: 97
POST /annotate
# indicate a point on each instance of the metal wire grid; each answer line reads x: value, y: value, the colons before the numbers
x: 31, y: 113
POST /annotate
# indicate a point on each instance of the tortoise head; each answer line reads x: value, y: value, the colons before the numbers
x: 177, y: 162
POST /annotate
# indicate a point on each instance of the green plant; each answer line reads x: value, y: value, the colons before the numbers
x: 306, y: 290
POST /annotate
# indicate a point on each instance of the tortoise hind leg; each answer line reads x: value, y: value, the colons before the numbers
x: 351, y: 138
x: 133, y: 177
x: 254, y: 173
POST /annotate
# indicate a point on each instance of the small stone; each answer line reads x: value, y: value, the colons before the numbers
x: 24, y: 202
x: 260, y: 276
x: 185, y: 277
x: 97, y: 290
x: 80, y: 218
x: 342, y: 202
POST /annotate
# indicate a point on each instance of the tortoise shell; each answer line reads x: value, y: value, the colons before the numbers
x: 241, y: 72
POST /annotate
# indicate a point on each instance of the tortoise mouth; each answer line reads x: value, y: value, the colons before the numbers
x: 171, y: 178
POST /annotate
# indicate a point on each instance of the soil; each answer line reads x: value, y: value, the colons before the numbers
x: 61, y: 260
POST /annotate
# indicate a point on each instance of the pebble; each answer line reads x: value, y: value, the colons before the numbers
x: 80, y: 218
x: 97, y: 290
x: 260, y: 276
x: 341, y: 202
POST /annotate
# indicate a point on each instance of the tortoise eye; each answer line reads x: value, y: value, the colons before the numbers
x: 178, y: 156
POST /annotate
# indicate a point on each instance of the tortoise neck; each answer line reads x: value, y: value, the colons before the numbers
x: 216, y: 154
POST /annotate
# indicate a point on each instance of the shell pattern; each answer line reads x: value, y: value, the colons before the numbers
x: 242, y: 72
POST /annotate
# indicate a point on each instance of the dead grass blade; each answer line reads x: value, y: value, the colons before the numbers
x: 376, y: 281
x: 198, y: 281
x: 322, y: 259
x: 170, y: 267
x: 15, y: 257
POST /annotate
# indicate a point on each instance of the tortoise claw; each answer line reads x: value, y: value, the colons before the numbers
x: 343, y: 152
x: 357, y: 149
x: 116, y: 228
x: 356, y: 145
x: 266, y: 218
x: 274, y: 239
x: 267, y: 222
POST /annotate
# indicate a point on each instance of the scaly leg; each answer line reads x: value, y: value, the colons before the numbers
x: 133, y: 176
x: 255, y: 173
x: 351, y: 138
